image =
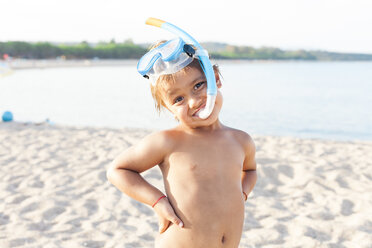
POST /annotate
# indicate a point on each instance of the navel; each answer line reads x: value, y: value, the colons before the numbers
x: 223, y: 239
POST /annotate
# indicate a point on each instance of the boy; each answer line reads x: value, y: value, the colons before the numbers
x: 208, y: 168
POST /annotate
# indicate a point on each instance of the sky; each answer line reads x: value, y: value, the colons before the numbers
x: 332, y: 25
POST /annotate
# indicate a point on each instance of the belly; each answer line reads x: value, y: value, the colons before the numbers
x: 214, y: 218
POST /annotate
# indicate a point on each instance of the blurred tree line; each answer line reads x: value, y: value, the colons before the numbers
x: 129, y: 50
x: 225, y: 51
x: 83, y: 50
x: 264, y: 53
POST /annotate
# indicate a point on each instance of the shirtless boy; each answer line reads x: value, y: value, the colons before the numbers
x: 208, y: 168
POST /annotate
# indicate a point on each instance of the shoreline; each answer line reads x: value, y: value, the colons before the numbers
x: 310, y: 193
x: 21, y: 64
x: 51, y: 124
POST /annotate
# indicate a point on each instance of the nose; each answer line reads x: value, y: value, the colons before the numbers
x: 194, y: 102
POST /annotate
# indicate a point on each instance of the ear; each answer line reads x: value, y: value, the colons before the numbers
x: 218, y: 80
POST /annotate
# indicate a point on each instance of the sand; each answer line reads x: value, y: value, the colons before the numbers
x: 54, y: 191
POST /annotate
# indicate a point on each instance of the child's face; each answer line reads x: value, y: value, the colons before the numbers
x: 187, y: 95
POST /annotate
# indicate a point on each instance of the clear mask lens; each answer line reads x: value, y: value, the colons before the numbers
x: 172, y: 50
x: 167, y: 58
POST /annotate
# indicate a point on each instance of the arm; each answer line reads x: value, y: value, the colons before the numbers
x: 124, y: 173
x: 249, y: 175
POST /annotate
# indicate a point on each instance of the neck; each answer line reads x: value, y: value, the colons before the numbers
x: 217, y: 125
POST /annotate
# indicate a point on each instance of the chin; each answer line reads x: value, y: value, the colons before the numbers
x: 198, y: 122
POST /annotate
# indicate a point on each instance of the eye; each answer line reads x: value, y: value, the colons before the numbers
x: 178, y: 99
x: 198, y: 85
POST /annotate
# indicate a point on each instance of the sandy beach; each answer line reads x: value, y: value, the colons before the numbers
x: 54, y: 191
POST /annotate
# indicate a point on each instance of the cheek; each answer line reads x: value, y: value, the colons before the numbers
x: 219, y: 100
x: 181, y: 111
x: 219, y: 97
x: 202, y: 92
x: 175, y: 110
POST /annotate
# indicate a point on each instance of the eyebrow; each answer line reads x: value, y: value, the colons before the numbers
x: 172, y: 92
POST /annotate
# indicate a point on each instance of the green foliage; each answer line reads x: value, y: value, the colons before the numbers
x: 129, y: 50
x: 45, y: 50
x: 16, y: 49
x: 225, y: 51
x: 264, y: 53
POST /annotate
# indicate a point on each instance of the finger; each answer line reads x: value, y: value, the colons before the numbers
x: 163, y: 226
x: 175, y: 220
x: 171, y: 216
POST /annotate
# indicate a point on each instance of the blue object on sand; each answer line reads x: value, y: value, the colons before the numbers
x: 7, y: 116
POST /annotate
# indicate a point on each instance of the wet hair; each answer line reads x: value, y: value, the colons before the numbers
x: 163, y: 80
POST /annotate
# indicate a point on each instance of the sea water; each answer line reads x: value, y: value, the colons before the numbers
x: 330, y: 100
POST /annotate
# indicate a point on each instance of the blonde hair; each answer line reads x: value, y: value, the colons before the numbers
x: 163, y: 80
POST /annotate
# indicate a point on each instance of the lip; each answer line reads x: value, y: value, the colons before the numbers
x: 201, y: 107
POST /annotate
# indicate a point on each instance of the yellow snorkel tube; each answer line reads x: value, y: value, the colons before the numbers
x: 203, y: 58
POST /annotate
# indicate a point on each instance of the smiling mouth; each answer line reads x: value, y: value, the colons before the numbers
x: 198, y: 110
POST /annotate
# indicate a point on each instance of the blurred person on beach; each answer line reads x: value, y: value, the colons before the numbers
x: 208, y: 169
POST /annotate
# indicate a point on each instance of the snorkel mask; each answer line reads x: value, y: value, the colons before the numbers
x: 173, y: 55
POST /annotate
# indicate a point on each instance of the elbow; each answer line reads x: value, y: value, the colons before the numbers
x: 115, y: 173
x: 110, y: 172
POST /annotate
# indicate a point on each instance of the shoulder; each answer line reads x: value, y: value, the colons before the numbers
x: 148, y: 152
x: 152, y: 149
x: 164, y: 138
x: 244, y: 139
x: 248, y: 146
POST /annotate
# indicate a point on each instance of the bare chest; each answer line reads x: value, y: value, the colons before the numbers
x: 206, y: 160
